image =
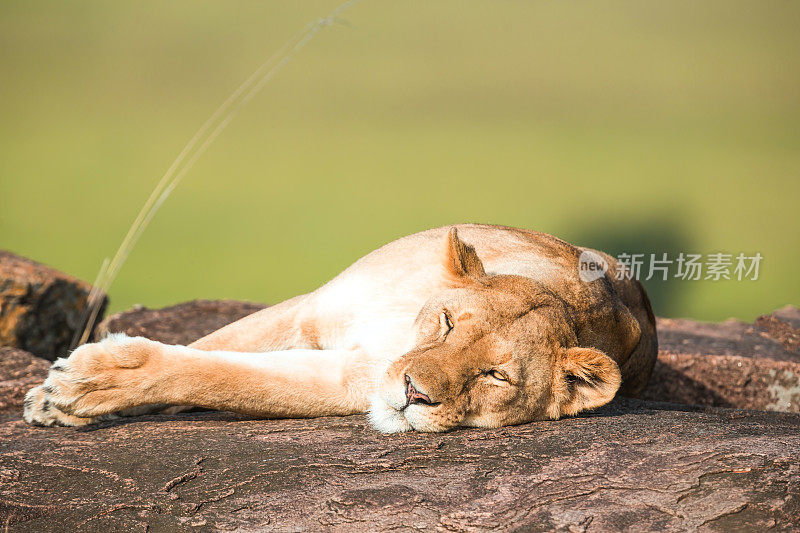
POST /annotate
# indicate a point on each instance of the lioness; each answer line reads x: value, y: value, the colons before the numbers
x: 471, y: 325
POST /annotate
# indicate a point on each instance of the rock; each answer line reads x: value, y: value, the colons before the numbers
x: 632, y: 465
x: 178, y: 324
x: 775, y: 336
x: 40, y: 307
x: 732, y: 364
x: 784, y: 326
x: 19, y: 372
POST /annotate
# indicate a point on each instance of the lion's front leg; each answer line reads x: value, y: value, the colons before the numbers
x: 121, y: 373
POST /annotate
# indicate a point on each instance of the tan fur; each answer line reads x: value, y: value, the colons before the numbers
x: 465, y: 326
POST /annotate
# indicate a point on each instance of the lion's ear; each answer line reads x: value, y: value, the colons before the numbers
x: 585, y: 378
x: 461, y: 263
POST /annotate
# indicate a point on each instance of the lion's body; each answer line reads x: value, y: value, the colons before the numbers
x: 325, y: 352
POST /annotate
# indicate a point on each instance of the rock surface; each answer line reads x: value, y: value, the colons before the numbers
x: 40, y: 307
x: 630, y: 466
x: 633, y: 465
x: 775, y: 336
x: 732, y: 364
x: 19, y: 372
x: 178, y: 324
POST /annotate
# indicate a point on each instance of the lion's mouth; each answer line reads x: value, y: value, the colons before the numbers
x: 392, y: 411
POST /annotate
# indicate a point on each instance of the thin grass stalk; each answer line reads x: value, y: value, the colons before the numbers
x: 186, y: 159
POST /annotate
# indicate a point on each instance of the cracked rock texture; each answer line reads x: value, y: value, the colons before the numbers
x: 19, y: 372
x: 178, y: 324
x: 633, y: 465
x: 732, y: 364
x: 40, y: 307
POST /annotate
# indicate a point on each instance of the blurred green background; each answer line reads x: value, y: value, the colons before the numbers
x: 629, y: 126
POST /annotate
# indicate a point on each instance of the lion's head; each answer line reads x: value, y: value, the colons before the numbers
x: 490, y: 351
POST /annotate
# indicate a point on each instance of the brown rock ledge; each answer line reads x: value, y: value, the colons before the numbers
x: 19, y: 372
x: 632, y: 465
x: 178, y: 324
x: 40, y: 307
x: 730, y: 364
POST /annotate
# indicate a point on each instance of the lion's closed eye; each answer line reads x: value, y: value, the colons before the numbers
x: 446, y: 323
x: 496, y: 375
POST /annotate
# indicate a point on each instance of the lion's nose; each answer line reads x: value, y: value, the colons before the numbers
x: 413, y: 395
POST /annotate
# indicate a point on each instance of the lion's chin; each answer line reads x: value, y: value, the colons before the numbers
x: 386, y: 418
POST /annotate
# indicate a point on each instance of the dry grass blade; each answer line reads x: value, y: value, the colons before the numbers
x: 195, y: 148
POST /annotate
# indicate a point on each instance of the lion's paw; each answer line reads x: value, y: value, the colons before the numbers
x: 39, y: 411
x: 96, y: 380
